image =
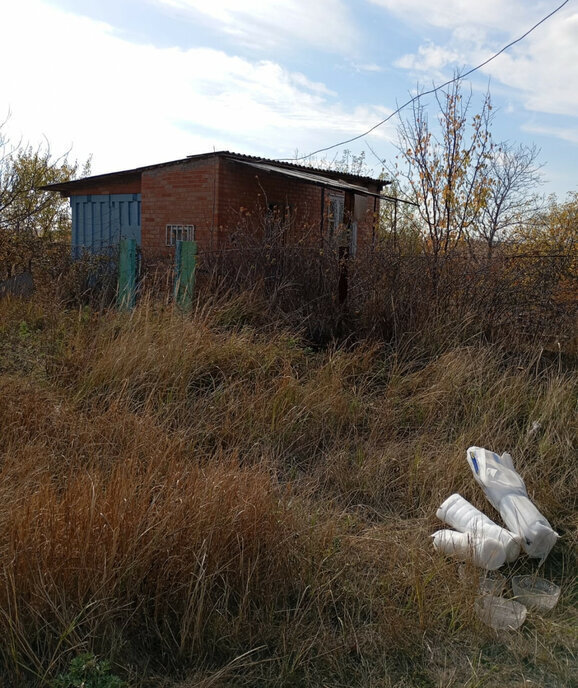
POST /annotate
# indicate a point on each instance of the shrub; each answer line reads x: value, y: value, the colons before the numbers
x: 85, y: 671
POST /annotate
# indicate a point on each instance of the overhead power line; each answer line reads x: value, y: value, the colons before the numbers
x: 432, y: 90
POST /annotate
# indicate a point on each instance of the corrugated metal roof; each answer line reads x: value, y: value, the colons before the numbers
x: 239, y: 157
x: 305, y: 168
x: 316, y: 179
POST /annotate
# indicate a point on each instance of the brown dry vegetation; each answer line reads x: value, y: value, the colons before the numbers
x: 211, y: 500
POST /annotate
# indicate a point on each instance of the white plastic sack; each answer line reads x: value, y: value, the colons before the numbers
x: 506, y: 491
x: 458, y: 513
x: 485, y: 552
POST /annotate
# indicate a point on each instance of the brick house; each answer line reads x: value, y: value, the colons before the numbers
x: 220, y: 199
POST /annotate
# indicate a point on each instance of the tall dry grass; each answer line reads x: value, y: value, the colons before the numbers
x: 207, y: 499
x: 404, y: 295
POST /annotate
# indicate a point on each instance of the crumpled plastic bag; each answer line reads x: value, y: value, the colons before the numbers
x: 507, y: 493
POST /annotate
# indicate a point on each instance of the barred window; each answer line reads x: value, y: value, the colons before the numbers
x: 180, y: 233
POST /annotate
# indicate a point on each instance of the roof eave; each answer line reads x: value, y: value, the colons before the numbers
x: 309, y: 176
x: 65, y: 187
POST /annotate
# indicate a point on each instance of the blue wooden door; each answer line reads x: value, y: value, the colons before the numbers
x: 100, y: 221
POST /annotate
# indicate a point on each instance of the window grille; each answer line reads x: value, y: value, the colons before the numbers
x: 180, y: 233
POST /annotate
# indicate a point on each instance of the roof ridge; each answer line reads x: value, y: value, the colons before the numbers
x: 333, y: 174
x: 291, y: 165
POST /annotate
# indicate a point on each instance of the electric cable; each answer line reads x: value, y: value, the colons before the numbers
x: 430, y: 91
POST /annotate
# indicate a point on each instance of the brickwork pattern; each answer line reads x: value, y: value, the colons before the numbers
x: 228, y: 204
x: 184, y: 194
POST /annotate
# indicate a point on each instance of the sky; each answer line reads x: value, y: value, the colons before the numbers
x: 136, y: 82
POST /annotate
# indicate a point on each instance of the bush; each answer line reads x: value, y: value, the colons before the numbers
x: 402, y: 297
x: 86, y: 671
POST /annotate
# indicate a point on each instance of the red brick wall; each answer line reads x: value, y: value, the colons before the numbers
x: 246, y: 192
x: 184, y: 194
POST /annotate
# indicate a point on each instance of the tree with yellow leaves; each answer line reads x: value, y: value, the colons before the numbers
x: 469, y: 190
x: 446, y: 169
x: 25, y: 209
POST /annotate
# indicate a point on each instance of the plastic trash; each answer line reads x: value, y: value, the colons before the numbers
x: 506, y: 491
x: 458, y: 513
x: 485, y: 552
x: 500, y: 613
x: 538, y: 593
x: 491, y: 583
x: 487, y: 582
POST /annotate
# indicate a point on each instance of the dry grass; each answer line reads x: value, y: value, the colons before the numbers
x: 209, y: 502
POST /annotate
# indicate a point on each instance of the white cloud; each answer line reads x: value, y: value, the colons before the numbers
x: 539, y: 71
x: 430, y: 59
x: 77, y: 82
x: 545, y: 67
x: 569, y: 134
x: 452, y: 14
x: 327, y: 25
x: 367, y: 67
